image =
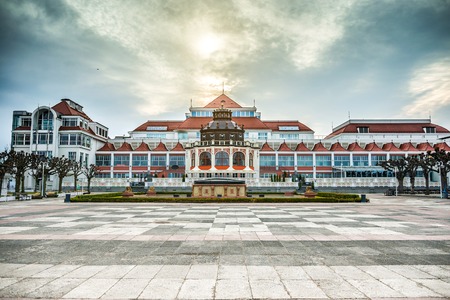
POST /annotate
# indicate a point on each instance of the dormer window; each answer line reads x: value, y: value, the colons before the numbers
x: 429, y: 129
x: 363, y: 129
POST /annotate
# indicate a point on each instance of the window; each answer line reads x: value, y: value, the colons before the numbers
x: 70, y: 122
x: 222, y: 159
x: 250, y: 160
x: 360, y: 160
x: 103, y: 160
x: 289, y: 136
x: 377, y: 159
x: 47, y: 154
x: 121, y: 160
x: 43, y: 138
x: 304, y: 160
x: 157, y: 128
x: 64, y: 139
x: 176, y: 160
x: 156, y: 135
x: 323, y: 160
x: 21, y: 139
x: 262, y: 135
x: 158, y: 160
x: 72, y: 156
x: 363, y: 129
x: 429, y: 129
x: 121, y: 175
x: 86, y: 160
x: 397, y: 157
x: 140, y: 160
x: 294, y: 128
x: 239, y: 159
x: 45, y: 120
x: 267, y: 160
x: 102, y: 175
x: 286, y: 161
x: 182, y: 135
x: 342, y: 160
x: 205, y: 159
x: 26, y: 122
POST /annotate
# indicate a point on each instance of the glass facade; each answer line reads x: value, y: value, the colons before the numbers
x: 140, y: 160
x: 341, y: 160
x: 286, y: 161
x: 360, y: 160
x: 304, y: 160
x: 323, y: 160
x: 121, y: 160
x: 158, y: 160
x: 267, y: 161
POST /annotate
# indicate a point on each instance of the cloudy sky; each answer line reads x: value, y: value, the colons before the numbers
x: 313, y: 61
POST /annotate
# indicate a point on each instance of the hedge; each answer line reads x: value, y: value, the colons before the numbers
x: 116, y: 198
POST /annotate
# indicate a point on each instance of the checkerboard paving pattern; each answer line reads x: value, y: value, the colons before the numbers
x: 391, y: 247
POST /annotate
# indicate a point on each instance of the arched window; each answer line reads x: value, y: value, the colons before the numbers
x: 205, y: 159
x: 250, y: 160
x: 45, y: 120
x: 222, y: 159
x: 238, y: 159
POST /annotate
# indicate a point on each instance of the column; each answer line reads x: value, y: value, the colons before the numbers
x: 295, y: 161
x: 213, y: 160
x: 112, y: 166
x: 276, y: 160
x: 314, y: 166
x: 247, y: 159
x: 196, y: 159
x: 130, y: 164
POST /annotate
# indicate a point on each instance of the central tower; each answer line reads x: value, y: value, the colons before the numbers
x: 222, y: 151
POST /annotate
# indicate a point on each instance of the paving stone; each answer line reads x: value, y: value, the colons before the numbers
x: 4, y: 282
x: 91, y: 288
x: 232, y: 289
x: 374, y: 288
x: 126, y: 289
x: 172, y: 272
x: 439, y: 286
x: 143, y: 272
x: 268, y: 289
x: 291, y: 273
x: 85, y: 272
x: 409, y: 288
x: 303, y: 289
x: 56, y: 271
x: 233, y: 272
x: 56, y: 288
x: 114, y: 271
x: 338, y: 288
x: 23, y: 287
x: 202, y: 272
x: 197, y: 289
x: 165, y: 288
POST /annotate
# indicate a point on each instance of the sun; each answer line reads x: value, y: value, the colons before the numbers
x: 208, y: 44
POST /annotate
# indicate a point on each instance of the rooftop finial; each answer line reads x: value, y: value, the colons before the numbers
x: 223, y: 87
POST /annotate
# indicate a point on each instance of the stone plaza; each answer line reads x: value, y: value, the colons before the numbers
x: 392, y: 247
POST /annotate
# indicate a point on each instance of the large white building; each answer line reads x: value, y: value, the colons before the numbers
x: 176, y: 148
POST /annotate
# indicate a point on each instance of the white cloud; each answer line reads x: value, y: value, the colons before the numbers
x: 430, y: 87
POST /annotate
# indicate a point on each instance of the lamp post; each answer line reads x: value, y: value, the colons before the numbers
x: 395, y: 178
x: 43, y: 179
x: 440, y: 179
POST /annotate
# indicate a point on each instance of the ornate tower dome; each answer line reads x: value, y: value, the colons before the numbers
x: 222, y: 128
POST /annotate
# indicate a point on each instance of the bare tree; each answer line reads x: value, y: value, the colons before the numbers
x: 412, y: 164
x: 426, y: 163
x: 6, y: 166
x: 399, y: 167
x: 90, y: 173
x: 62, y: 168
x: 21, y: 163
x: 443, y: 167
x: 77, y: 170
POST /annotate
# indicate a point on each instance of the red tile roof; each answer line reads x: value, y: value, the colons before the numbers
x: 355, y: 147
x: 142, y: 147
x: 424, y: 147
x: 390, y: 147
x: 227, y: 102
x: 171, y: 125
x: 23, y: 128
x: 71, y: 128
x: 373, y: 147
x: 266, y: 147
x: 178, y: 147
x: 275, y: 125
x: 160, y: 147
x: 319, y: 147
x: 284, y: 147
x: 107, y: 147
x: 442, y: 146
x: 301, y: 147
x: 125, y: 147
x: 388, y: 127
x: 408, y: 147
x: 197, y: 122
x: 337, y: 147
x: 64, y: 109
